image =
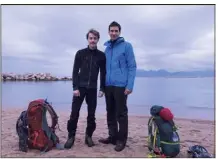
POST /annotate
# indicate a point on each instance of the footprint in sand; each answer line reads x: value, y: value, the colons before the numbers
x: 194, y: 131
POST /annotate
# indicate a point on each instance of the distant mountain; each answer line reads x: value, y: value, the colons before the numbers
x: 164, y: 73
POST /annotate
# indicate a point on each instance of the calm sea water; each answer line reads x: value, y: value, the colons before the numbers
x: 186, y: 97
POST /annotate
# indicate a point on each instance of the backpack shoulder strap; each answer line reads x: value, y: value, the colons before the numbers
x: 22, y: 131
x: 53, y: 114
x: 154, y: 140
x: 172, y: 123
x: 21, y: 121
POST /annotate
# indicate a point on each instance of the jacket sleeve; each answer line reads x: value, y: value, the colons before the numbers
x: 131, y: 65
x: 75, y: 74
x: 102, y: 73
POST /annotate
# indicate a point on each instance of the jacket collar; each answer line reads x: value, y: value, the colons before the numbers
x: 92, y: 49
x: 119, y: 40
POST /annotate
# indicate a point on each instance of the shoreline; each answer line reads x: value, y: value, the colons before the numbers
x: 70, y: 79
x: 191, y: 132
x: 83, y: 113
x: 38, y: 77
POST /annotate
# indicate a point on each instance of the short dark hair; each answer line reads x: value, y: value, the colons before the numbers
x: 93, y: 31
x: 114, y: 24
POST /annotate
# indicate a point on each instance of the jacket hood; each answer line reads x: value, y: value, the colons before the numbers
x: 119, y: 40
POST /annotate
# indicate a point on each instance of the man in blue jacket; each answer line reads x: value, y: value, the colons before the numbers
x: 120, y: 76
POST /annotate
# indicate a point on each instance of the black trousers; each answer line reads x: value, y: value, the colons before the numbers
x: 117, y: 113
x: 90, y: 95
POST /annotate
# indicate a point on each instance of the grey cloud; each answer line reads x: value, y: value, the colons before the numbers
x: 37, y: 62
x: 179, y: 32
x: 22, y: 65
x: 156, y: 32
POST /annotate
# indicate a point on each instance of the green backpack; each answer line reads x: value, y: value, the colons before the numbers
x: 163, y: 138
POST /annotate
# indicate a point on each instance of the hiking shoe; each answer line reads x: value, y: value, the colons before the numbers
x: 119, y: 146
x: 69, y: 143
x: 89, y: 141
x: 108, y: 140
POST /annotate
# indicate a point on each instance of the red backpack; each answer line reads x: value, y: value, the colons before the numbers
x: 32, y: 127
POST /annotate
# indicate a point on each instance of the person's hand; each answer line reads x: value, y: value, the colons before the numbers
x: 100, y: 94
x: 76, y: 93
x: 127, y: 92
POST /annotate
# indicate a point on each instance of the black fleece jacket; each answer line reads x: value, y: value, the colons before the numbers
x: 87, y: 64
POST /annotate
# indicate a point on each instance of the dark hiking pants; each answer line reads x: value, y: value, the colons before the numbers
x: 90, y: 95
x: 117, y: 113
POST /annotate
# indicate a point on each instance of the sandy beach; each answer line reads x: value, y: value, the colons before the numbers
x: 191, y: 132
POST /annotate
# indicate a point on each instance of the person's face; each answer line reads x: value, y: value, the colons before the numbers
x: 92, y: 40
x: 114, y: 32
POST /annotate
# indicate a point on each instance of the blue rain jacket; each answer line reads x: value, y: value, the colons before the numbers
x: 120, y: 64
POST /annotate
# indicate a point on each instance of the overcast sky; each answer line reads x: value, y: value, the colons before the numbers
x: 45, y: 38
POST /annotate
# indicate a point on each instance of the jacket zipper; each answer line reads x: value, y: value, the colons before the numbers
x: 120, y: 67
x: 90, y: 70
x: 110, y: 65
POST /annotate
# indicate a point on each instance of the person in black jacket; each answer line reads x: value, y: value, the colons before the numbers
x: 87, y: 64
